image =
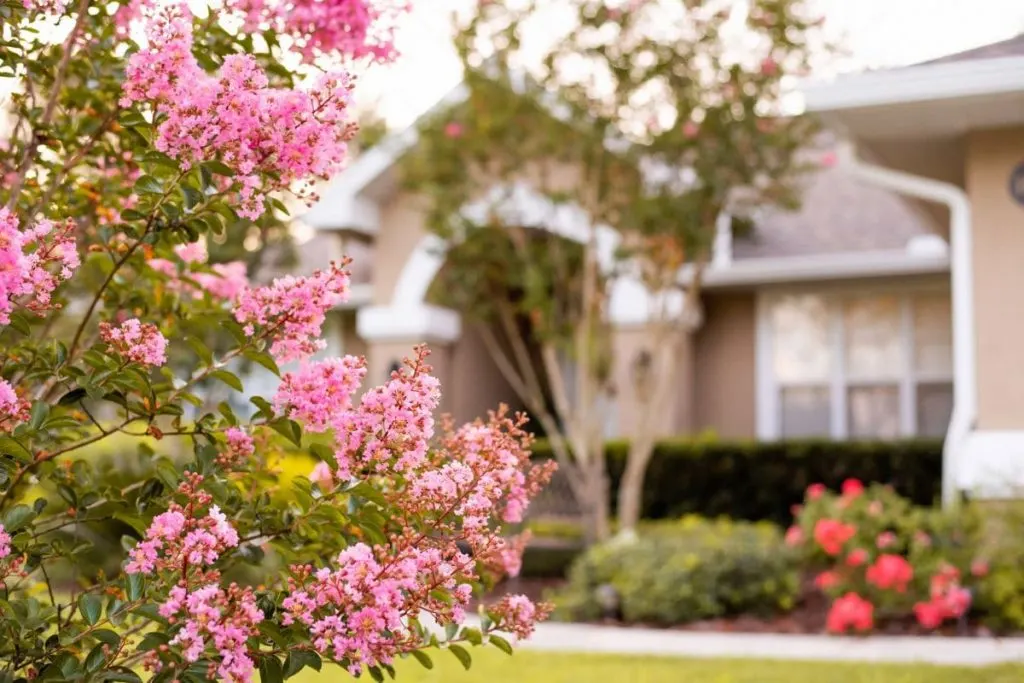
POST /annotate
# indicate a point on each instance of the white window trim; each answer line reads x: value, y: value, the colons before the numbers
x: 767, y: 410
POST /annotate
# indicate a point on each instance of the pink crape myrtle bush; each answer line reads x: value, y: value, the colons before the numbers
x: 881, y: 559
x: 149, y: 528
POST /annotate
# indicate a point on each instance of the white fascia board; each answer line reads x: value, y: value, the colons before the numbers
x: 923, y: 83
x: 414, y: 324
x: 895, y: 262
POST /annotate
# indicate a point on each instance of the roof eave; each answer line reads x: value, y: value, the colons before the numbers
x: 922, y: 83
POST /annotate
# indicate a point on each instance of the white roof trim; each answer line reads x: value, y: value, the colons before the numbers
x: 922, y: 83
x: 409, y: 324
x: 763, y: 271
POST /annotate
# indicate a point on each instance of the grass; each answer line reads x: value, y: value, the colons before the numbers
x: 539, y: 667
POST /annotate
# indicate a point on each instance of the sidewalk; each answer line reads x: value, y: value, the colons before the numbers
x: 933, y: 650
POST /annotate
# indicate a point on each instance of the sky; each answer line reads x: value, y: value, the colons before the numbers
x: 875, y: 34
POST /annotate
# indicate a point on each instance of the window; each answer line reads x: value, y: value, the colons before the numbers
x: 855, y: 366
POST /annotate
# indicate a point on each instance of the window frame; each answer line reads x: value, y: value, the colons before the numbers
x: 768, y: 407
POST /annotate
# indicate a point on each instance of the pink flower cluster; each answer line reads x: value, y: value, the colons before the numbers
x: 517, y: 614
x: 358, y: 610
x: 949, y: 599
x: 13, y: 409
x: 291, y: 311
x: 272, y: 137
x: 393, y: 424
x: 318, y: 392
x: 178, y: 539
x: 33, y: 263
x: 136, y: 341
x: 240, y: 448
x: 224, y: 282
x: 353, y: 28
x: 217, y: 618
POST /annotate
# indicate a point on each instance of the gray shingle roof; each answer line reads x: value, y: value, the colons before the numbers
x: 839, y: 214
x: 1012, y: 47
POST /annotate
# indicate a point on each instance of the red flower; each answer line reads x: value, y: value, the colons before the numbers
x: 928, y: 614
x: 850, y: 612
x: 890, y: 572
x: 857, y: 557
x: 690, y: 130
x: 885, y: 540
x: 921, y: 538
x: 852, y: 488
x: 794, y: 536
x: 815, y: 491
x: 875, y: 508
x: 979, y: 568
x: 769, y: 66
x: 826, y: 580
x: 832, y: 535
x: 453, y: 130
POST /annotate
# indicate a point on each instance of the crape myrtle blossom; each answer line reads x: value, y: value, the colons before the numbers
x: 216, y: 619
x: 291, y: 311
x: 136, y: 341
x: 178, y: 538
x: 13, y: 408
x: 352, y: 28
x: 317, y: 392
x: 33, y: 262
x: 273, y: 138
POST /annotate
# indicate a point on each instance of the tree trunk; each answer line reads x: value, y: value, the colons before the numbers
x: 630, y: 494
x: 596, y: 513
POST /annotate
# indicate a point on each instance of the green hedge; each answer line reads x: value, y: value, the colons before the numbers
x: 683, y: 571
x: 762, y: 481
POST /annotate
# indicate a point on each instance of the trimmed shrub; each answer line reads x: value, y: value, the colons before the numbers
x: 762, y: 481
x: 684, y: 571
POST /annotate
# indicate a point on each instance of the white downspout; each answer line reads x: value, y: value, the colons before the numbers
x: 965, y: 397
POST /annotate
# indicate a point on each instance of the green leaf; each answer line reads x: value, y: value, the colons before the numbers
x: 423, y: 658
x: 68, y: 494
x: 218, y: 167
x: 17, y: 517
x: 289, y: 429
x: 500, y: 643
x: 91, y: 607
x: 263, y: 404
x: 147, y: 184
x: 95, y: 659
x: 298, y: 659
x: 229, y: 378
x: 105, y: 635
x: 201, y: 349
x: 121, y: 674
x: 72, y: 397
x: 136, y: 584
x: 472, y: 636
x: 263, y: 359
x: 167, y: 472
x: 376, y: 674
x: 40, y: 411
x: 153, y: 640
x: 270, y: 670
x: 462, y: 655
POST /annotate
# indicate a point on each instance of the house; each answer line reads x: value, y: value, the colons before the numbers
x: 888, y: 306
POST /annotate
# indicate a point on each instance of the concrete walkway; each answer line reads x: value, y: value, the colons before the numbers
x: 640, y: 641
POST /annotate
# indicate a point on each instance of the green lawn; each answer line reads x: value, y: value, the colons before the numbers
x: 538, y: 667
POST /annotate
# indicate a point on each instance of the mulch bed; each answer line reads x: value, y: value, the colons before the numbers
x: 807, y: 618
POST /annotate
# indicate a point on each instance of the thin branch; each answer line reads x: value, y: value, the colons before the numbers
x: 51, y: 103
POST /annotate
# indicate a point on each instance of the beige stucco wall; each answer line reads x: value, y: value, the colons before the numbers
x: 998, y: 276
x: 724, y: 370
x: 402, y: 227
x: 477, y: 384
x: 673, y: 417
